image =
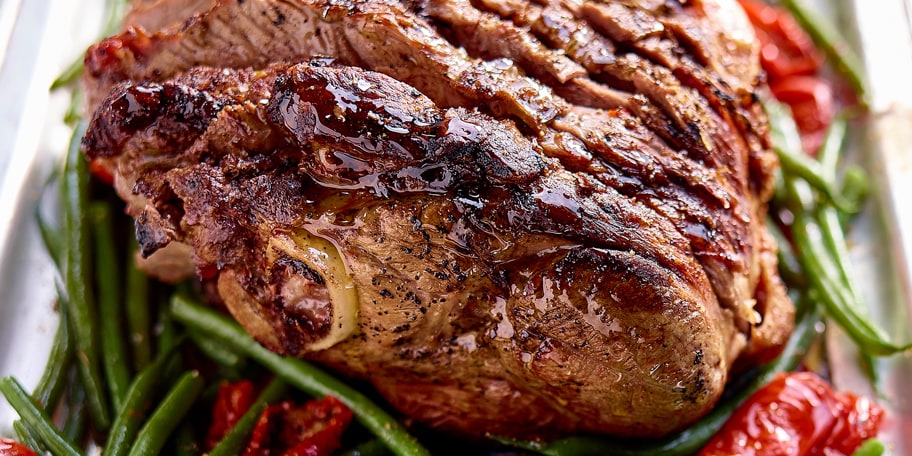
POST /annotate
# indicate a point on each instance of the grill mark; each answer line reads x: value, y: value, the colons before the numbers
x: 495, y: 85
x: 559, y: 28
x: 486, y: 36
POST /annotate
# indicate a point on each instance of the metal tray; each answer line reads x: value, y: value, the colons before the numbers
x: 38, y: 38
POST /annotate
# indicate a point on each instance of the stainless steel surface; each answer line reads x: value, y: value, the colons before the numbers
x: 46, y: 35
x: 36, y: 41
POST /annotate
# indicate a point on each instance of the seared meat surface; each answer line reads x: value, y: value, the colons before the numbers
x: 512, y: 218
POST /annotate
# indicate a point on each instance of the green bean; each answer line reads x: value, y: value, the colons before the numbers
x: 234, y: 441
x: 137, y: 311
x: 787, y: 144
x: 27, y: 437
x: 299, y: 374
x: 799, y: 164
x: 82, y: 311
x: 828, y: 217
x: 216, y: 351
x: 828, y: 39
x: 70, y: 74
x: 185, y: 442
x: 855, y: 189
x: 831, y: 150
x: 819, y: 263
x: 820, y: 245
x: 107, y: 281
x: 789, y: 267
x: 51, y: 235
x: 370, y: 448
x: 51, y: 239
x: 74, y: 111
x: 76, y: 423
x: 168, y: 334
x: 35, y: 418
x: 136, y: 404
x: 870, y: 447
x: 167, y: 416
x: 53, y: 380
x: 698, y: 435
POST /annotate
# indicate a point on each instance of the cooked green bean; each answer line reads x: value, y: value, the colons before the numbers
x: 76, y: 423
x: 167, y: 416
x: 799, y: 164
x: 51, y: 385
x: 824, y: 274
x: 829, y: 40
x: 74, y: 110
x: 855, y: 189
x: 107, y: 282
x: 27, y: 437
x: 870, y: 447
x: 234, y: 441
x: 185, y: 442
x: 216, y: 351
x: 51, y: 234
x: 82, y: 312
x: 789, y: 267
x: 370, y: 448
x: 138, y: 312
x: 830, y: 151
x: 828, y: 217
x: 35, y: 418
x: 70, y: 74
x: 299, y: 374
x: 136, y: 405
x: 820, y: 246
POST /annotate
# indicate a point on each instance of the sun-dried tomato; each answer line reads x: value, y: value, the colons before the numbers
x: 13, y: 448
x: 313, y: 429
x: 797, y: 414
x: 232, y: 401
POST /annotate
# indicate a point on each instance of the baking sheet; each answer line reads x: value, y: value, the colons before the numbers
x: 38, y: 38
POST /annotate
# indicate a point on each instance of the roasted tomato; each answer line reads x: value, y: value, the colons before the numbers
x: 813, y: 107
x: 13, y: 448
x: 233, y: 400
x: 312, y: 429
x: 796, y: 415
x: 786, y: 49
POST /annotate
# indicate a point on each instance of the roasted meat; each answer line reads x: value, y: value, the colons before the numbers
x: 511, y: 218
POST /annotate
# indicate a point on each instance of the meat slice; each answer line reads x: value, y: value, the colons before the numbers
x: 509, y: 216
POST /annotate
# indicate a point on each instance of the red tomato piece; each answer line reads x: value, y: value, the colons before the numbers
x: 313, y: 429
x: 13, y: 448
x: 813, y: 106
x: 863, y: 419
x: 797, y: 415
x: 232, y: 401
x: 786, y: 49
